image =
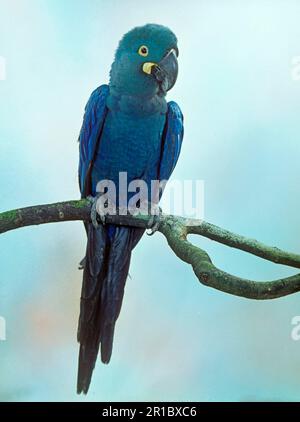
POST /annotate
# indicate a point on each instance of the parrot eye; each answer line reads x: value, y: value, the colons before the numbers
x: 143, y: 51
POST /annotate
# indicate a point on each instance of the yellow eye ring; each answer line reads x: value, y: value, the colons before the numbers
x: 143, y: 51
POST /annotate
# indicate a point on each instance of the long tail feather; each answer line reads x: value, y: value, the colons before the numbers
x: 90, y: 305
x: 105, y: 272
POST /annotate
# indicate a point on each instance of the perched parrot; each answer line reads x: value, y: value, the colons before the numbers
x: 127, y: 127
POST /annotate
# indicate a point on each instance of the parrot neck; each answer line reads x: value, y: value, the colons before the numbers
x: 139, y: 106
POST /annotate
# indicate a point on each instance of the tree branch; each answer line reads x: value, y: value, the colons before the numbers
x: 176, y: 230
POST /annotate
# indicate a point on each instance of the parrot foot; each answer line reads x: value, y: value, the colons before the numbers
x: 81, y: 264
x: 95, y: 214
x: 155, y: 219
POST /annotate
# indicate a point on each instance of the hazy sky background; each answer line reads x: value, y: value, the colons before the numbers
x: 175, y: 339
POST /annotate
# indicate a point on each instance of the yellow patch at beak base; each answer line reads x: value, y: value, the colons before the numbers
x: 147, y: 67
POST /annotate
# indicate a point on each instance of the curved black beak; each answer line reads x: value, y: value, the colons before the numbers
x: 166, y: 71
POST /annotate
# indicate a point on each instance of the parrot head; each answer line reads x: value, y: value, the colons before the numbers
x: 145, y: 62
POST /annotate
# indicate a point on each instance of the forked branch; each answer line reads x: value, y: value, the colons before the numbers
x: 176, y: 230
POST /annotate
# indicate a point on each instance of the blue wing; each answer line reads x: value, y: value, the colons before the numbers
x: 94, y: 117
x: 171, y: 142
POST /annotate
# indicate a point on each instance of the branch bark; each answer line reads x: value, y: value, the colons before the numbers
x: 176, y: 230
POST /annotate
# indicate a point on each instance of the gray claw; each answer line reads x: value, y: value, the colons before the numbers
x: 81, y: 264
x: 95, y: 216
x: 154, y: 222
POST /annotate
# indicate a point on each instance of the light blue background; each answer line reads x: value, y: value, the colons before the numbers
x: 175, y: 339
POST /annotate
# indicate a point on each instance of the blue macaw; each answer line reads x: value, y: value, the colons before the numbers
x: 128, y: 127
